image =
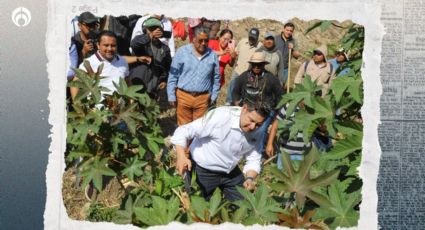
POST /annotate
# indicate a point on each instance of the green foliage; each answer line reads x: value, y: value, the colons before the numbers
x: 98, y: 213
x: 261, y: 208
x: 299, y: 181
x: 111, y: 132
x: 206, y: 211
x: 162, y: 211
x: 341, y: 209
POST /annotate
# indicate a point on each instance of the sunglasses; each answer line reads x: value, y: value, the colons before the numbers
x: 91, y: 25
x: 257, y: 64
x: 200, y: 41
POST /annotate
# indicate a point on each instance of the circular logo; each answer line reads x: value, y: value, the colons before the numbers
x: 21, y: 17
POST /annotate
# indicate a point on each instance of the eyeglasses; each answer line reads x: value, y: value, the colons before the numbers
x: 200, y: 41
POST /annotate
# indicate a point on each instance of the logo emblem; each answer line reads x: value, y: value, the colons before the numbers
x: 21, y: 17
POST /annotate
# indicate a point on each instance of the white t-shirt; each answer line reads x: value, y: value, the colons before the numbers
x: 112, y: 71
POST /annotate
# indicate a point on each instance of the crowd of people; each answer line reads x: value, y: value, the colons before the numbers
x: 210, y: 141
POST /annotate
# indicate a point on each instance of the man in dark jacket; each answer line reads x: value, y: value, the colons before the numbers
x: 259, y: 83
x: 83, y: 43
x: 154, y: 60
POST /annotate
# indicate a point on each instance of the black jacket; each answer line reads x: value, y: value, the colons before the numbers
x: 157, y: 71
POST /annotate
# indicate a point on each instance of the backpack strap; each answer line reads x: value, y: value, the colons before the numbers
x: 305, y: 66
x: 331, y: 67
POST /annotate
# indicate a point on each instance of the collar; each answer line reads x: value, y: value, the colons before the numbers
x: 192, y: 50
x: 284, y: 39
x: 101, y: 59
x: 235, y: 112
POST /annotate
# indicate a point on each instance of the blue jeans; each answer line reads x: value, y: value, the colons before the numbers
x: 232, y: 83
x: 209, y: 180
x: 285, y: 77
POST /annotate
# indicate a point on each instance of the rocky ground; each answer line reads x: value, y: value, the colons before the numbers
x: 74, y: 199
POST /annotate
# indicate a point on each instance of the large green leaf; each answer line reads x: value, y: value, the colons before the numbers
x: 352, y: 85
x: 263, y: 209
x: 341, y: 206
x: 299, y: 181
x: 133, y: 167
x: 94, y: 170
x: 344, y: 147
x: 162, y: 211
x: 203, y: 211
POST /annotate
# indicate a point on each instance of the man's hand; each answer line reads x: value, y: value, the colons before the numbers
x: 249, y: 184
x: 290, y: 45
x: 183, y: 162
x: 269, y: 150
x: 87, y: 47
x: 157, y: 33
x: 162, y: 85
x: 144, y: 59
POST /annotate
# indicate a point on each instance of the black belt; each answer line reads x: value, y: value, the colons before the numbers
x: 194, y: 94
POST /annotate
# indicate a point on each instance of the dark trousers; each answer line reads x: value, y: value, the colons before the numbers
x: 209, y: 180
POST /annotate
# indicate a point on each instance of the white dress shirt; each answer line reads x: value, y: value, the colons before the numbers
x: 218, y: 141
x: 112, y: 71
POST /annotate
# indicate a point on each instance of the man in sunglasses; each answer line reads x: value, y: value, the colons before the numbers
x: 318, y: 69
x: 194, y: 78
x: 259, y: 83
x: 83, y: 43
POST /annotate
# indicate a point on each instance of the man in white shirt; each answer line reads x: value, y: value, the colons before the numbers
x: 220, y: 139
x: 115, y: 66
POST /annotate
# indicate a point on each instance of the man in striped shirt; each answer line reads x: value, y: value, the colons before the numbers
x: 194, y: 78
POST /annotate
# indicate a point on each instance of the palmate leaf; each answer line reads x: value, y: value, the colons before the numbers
x: 344, y: 147
x: 133, y: 167
x: 296, y: 220
x: 94, y: 170
x: 352, y: 85
x: 299, y: 181
x: 125, y: 216
x: 324, y: 111
x: 126, y: 114
x: 203, y: 211
x: 263, y: 209
x: 87, y: 86
x: 349, y: 128
x: 162, y: 211
x: 123, y: 89
x: 341, y: 206
x: 323, y: 25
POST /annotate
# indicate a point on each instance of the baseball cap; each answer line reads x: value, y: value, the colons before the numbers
x: 268, y: 35
x: 152, y: 22
x: 87, y: 17
x: 254, y: 33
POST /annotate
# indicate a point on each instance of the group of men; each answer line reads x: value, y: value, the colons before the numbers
x: 219, y: 138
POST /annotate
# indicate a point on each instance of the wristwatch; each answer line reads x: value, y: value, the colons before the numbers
x: 249, y: 178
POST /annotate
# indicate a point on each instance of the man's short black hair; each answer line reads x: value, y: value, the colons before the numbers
x: 289, y: 24
x: 260, y: 106
x: 107, y: 33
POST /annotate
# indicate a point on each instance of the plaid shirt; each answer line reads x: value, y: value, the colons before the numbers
x: 192, y: 74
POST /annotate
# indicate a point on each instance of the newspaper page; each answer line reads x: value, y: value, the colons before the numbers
x: 364, y: 13
x: 401, y: 179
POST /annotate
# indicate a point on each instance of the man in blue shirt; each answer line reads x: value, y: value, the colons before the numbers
x: 340, y: 58
x: 194, y: 78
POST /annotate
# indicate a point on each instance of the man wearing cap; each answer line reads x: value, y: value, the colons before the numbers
x: 341, y: 57
x: 194, y: 78
x: 83, y: 43
x: 115, y: 66
x: 284, y: 43
x: 273, y: 56
x: 318, y: 69
x: 244, y: 50
x: 167, y: 36
x: 258, y: 82
x: 153, y: 65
